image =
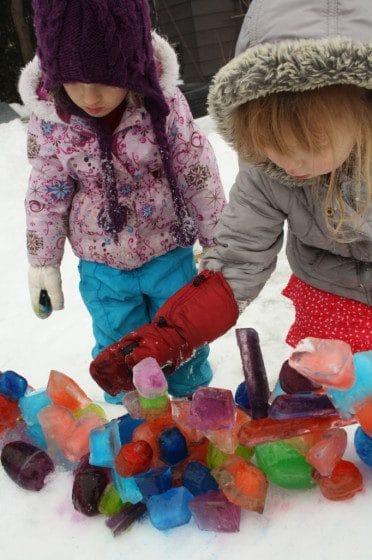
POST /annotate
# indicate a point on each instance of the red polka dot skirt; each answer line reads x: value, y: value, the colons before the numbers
x: 324, y: 315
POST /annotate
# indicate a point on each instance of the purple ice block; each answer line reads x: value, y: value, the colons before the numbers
x: 254, y: 372
x: 212, y: 409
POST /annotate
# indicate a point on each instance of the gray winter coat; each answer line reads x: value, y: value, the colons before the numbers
x: 290, y: 45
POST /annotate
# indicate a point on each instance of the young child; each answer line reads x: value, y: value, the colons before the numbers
x: 118, y: 167
x: 296, y: 104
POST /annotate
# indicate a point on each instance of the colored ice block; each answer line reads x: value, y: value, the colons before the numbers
x: 324, y: 361
x: 122, y: 520
x: 31, y: 404
x: 149, y: 379
x: 212, y: 409
x: 64, y: 391
x: 12, y: 385
x: 26, y: 465
x: 133, y: 458
x: 172, y: 446
x: 110, y: 502
x: 267, y: 429
x: 347, y: 401
x: 243, y: 483
x: 9, y: 413
x: 363, y: 446
x: 300, y: 406
x: 170, y: 509
x: 283, y: 465
x: 254, y: 371
x: 88, y: 487
x: 213, y: 512
x: 327, y: 451
x: 291, y: 381
x: 101, y: 446
x: 180, y: 414
x: 126, y: 426
x: 126, y: 487
x: 197, y: 478
x: 344, y: 482
x: 363, y: 413
x: 154, y: 481
x: 241, y: 397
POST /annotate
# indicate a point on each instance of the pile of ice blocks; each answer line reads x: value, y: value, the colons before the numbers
x: 207, y: 457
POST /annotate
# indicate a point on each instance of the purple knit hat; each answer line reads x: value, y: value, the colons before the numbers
x: 108, y: 42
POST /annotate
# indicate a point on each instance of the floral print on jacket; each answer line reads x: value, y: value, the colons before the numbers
x: 65, y: 192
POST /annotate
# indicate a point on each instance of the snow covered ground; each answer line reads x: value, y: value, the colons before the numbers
x: 296, y: 525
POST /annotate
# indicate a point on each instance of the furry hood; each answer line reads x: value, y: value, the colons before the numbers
x: 30, y: 81
x: 294, y: 45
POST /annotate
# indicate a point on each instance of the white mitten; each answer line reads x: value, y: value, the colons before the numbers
x: 43, y: 279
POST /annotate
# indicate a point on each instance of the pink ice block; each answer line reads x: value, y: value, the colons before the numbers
x: 324, y: 361
x: 149, y: 379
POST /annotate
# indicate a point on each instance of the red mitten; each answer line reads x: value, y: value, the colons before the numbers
x: 198, y: 313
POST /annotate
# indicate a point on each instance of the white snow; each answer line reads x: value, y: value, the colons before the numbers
x: 296, y: 525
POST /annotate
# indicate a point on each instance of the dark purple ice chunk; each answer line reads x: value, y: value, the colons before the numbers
x: 300, y: 406
x: 291, y: 381
x: 26, y: 464
x: 122, y: 520
x: 254, y: 372
x: 89, y: 485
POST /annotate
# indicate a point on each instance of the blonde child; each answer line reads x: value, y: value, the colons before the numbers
x: 296, y: 104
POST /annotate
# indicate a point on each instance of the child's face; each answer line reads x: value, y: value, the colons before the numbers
x: 301, y: 164
x: 96, y: 100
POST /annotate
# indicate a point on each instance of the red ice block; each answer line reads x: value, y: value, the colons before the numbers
x: 133, y: 458
x: 64, y: 391
x: 149, y: 431
x: 9, y: 413
x: 345, y: 481
x: 327, y: 451
x: 267, y: 429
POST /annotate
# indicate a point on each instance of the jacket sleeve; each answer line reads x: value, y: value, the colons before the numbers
x: 248, y: 237
x: 196, y: 169
x: 49, y: 195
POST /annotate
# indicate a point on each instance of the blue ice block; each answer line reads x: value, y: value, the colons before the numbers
x: 345, y: 400
x: 277, y: 391
x: 114, y: 399
x: 126, y: 427
x: 172, y: 446
x: 170, y: 509
x: 241, y: 397
x: 197, y: 478
x: 31, y: 404
x: 127, y: 488
x: 154, y: 481
x: 35, y: 431
x: 363, y: 446
x: 12, y: 385
x: 101, y: 446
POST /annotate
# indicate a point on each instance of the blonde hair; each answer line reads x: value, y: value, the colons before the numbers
x: 312, y: 117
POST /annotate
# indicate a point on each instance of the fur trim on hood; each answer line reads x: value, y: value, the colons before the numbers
x: 30, y: 82
x: 285, y: 59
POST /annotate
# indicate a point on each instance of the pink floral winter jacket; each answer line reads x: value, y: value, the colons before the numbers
x: 65, y: 193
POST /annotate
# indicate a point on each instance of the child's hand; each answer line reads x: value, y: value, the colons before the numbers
x: 45, y: 286
x: 195, y: 315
